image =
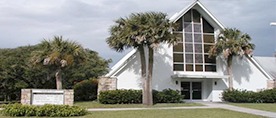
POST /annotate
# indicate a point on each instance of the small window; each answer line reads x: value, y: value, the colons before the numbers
x: 179, y: 36
x: 210, y: 68
x: 199, y: 68
x: 209, y: 38
x: 207, y: 28
x: 209, y: 60
x: 187, y: 16
x: 198, y: 58
x: 198, y: 38
x: 178, y: 58
x: 188, y: 37
x: 178, y: 47
x: 189, y: 58
x: 179, y: 24
x: 198, y: 48
x: 207, y: 48
x: 189, y: 67
x: 188, y: 27
x: 178, y: 67
x: 196, y: 16
x: 188, y: 47
x: 197, y: 28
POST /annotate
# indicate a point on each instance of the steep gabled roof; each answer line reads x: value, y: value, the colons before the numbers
x: 121, y: 64
x: 201, y: 9
x: 268, y: 64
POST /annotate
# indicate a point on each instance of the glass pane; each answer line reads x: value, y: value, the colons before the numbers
x: 199, y: 68
x: 187, y: 16
x: 198, y: 48
x: 209, y: 60
x: 209, y: 38
x: 207, y: 28
x: 188, y: 27
x: 197, y: 28
x: 177, y: 57
x: 198, y: 58
x: 198, y: 38
x: 179, y: 24
x: 189, y: 58
x: 210, y: 68
x: 188, y: 47
x: 178, y: 67
x: 189, y: 67
x: 178, y: 47
x: 179, y: 36
x: 207, y: 48
x: 196, y: 16
x: 188, y: 37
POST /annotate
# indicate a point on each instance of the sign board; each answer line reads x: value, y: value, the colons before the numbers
x: 41, y: 97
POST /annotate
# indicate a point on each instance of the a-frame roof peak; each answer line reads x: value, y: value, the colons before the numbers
x: 201, y: 8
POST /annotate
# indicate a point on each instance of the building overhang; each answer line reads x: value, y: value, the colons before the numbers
x: 199, y: 76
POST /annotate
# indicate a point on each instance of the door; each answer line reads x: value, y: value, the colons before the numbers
x: 196, y: 90
x: 191, y: 90
x: 185, y: 90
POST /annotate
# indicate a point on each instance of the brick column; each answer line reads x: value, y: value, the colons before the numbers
x: 69, y: 97
x: 26, y: 96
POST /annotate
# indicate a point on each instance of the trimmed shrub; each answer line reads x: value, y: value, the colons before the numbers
x: 45, y: 110
x: 86, y: 90
x: 135, y: 96
x: 243, y: 96
x: 169, y: 96
x: 120, y: 97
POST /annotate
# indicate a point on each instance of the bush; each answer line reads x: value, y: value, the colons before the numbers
x: 243, y: 96
x: 169, y: 96
x: 135, y: 96
x: 86, y: 90
x: 45, y: 110
x: 120, y: 97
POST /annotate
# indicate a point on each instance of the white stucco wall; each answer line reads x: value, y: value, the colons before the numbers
x: 247, y: 76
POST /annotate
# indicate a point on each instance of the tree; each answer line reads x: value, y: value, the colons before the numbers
x: 143, y: 31
x: 231, y: 42
x: 57, y: 54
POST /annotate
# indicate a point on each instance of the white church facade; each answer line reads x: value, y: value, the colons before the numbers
x: 186, y: 66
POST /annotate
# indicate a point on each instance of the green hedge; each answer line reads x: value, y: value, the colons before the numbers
x: 45, y: 110
x: 135, y: 96
x: 243, y: 96
x: 86, y: 90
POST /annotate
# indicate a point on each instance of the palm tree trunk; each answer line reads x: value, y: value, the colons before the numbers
x: 58, y: 80
x: 144, y: 73
x: 149, y: 79
x: 229, y: 70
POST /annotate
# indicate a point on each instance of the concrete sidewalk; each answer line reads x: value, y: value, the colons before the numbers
x: 126, y: 109
x: 208, y: 105
x: 240, y: 109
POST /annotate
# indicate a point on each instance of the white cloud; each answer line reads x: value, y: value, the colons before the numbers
x: 24, y: 22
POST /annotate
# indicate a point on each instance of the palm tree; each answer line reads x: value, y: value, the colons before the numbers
x: 231, y: 42
x: 143, y: 31
x: 57, y: 54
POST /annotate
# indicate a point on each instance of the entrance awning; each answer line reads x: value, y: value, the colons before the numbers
x: 198, y: 76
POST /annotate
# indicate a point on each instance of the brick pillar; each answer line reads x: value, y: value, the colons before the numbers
x: 26, y: 96
x: 69, y: 97
x: 107, y: 83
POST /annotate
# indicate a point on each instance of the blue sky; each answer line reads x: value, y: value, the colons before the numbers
x: 27, y: 22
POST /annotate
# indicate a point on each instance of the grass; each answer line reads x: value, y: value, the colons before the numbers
x: 260, y: 106
x: 180, y: 113
x: 98, y: 105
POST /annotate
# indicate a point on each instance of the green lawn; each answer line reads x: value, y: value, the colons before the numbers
x: 185, y: 113
x: 259, y: 106
x: 98, y: 105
